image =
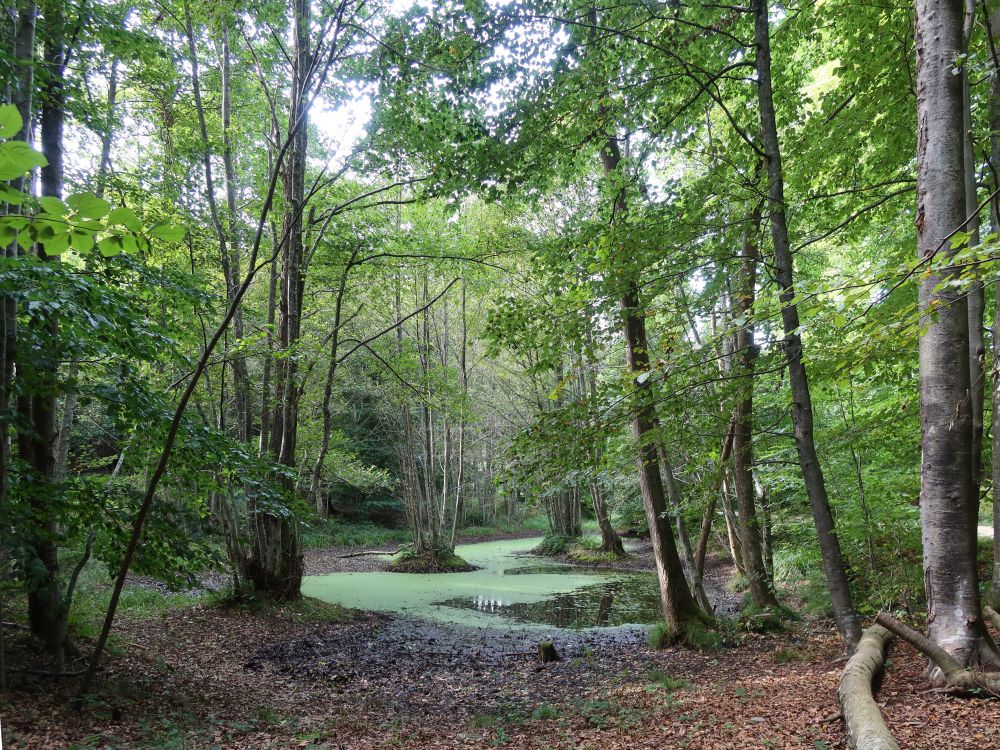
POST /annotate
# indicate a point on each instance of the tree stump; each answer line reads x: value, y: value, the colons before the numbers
x: 547, y: 652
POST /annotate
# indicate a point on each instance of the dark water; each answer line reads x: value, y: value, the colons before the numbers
x: 630, y: 599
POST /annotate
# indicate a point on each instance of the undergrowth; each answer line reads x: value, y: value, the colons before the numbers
x: 336, y: 533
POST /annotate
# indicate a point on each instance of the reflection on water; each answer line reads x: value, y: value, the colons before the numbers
x: 629, y: 599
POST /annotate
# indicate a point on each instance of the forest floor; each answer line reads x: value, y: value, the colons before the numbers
x: 207, y: 676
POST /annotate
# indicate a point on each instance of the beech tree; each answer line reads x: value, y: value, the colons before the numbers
x: 948, y: 500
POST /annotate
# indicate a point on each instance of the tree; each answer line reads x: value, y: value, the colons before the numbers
x: 802, y: 410
x: 948, y: 502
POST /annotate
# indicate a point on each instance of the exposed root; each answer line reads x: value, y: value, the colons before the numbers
x: 866, y: 729
x: 992, y: 615
x: 957, y: 679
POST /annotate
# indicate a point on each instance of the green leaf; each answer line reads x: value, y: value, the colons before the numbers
x: 125, y: 217
x: 53, y: 206
x: 17, y: 158
x: 82, y: 242
x: 8, y: 233
x: 88, y: 205
x: 167, y: 232
x: 10, y: 121
x: 11, y: 196
x: 57, y: 245
x: 129, y: 244
x: 110, y: 246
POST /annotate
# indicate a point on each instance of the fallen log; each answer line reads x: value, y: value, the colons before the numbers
x: 993, y: 616
x: 957, y: 679
x: 866, y: 729
x: 370, y: 552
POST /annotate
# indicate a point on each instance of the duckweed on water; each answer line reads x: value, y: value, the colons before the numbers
x: 508, y: 590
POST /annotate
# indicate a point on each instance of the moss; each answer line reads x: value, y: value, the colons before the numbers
x: 554, y: 545
x: 436, y: 560
x: 581, y: 549
x: 582, y: 554
x: 699, y: 634
x: 754, y: 619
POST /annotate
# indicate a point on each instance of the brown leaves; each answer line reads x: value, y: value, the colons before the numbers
x: 188, y: 684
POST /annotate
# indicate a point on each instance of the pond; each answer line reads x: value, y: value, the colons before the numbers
x: 512, y: 590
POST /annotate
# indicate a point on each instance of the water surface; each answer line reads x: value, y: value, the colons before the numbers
x: 511, y: 589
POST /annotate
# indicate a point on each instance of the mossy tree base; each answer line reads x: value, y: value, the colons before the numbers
x: 773, y: 619
x: 554, y: 545
x: 582, y: 554
x: 440, y: 560
x: 699, y: 633
x: 578, y: 549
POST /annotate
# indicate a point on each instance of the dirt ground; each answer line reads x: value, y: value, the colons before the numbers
x: 211, y: 677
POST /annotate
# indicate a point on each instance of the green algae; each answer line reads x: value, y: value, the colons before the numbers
x: 509, y: 590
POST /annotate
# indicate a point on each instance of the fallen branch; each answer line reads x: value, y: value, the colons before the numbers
x: 993, y: 616
x: 957, y: 679
x: 866, y: 729
x: 370, y: 552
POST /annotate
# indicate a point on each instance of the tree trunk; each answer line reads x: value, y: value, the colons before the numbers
x: 46, y: 609
x: 19, y: 91
x: 732, y: 526
x: 687, y: 555
x: 275, y: 565
x: 464, y: 365
x: 611, y: 543
x: 765, y: 516
x: 993, y: 26
x: 802, y: 414
x: 948, y: 502
x: 679, y: 606
x: 315, y: 484
x: 709, y: 514
x: 761, y: 586
x: 241, y: 378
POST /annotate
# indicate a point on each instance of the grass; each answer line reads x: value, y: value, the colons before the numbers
x: 333, y: 532
x: 789, y: 655
x: 336, y: 533
x: 531, y: 523
x: 664, y: 681
x: 93, y: 594
x: 545, y: 711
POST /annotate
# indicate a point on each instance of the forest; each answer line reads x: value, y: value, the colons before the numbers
x: 499, y: 373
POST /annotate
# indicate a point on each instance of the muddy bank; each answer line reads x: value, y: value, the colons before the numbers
x: 419, y: 667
